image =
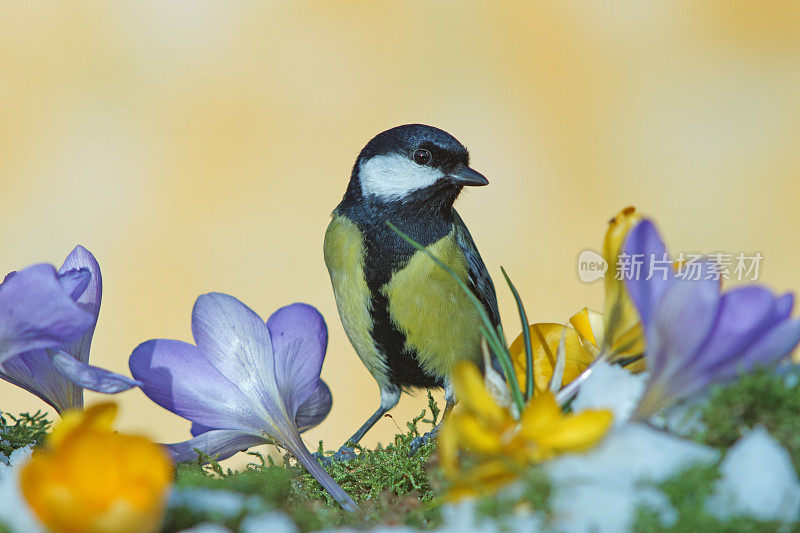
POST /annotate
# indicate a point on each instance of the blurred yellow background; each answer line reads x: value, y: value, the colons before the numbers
x: 200, y: 146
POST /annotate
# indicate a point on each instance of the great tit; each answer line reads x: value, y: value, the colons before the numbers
x: 409, y: 321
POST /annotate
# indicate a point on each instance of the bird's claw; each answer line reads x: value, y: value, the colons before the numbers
x: 345, y: 453
x: 418, y: 442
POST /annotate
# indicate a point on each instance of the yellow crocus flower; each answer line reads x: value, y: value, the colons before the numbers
x: 501, y: 445
x: 553, y: 432
x: 622, y: 334
x: 89, y: 478
x: 581, y: 348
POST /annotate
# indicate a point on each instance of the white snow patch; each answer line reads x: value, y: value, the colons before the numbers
x: 461, y: 516
x: 20, y: 456
x: 14, y: 510
x: 223, y: 502
x: 758, y: 480
x: 271, y: 521
x: 791, y: 374
x: 611, y: 387
x: 684, y: 418
x: 601, y: 489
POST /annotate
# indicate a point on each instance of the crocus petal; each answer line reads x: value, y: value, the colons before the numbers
x: 619, y: 311
x: 97, y: 417
x: 540, y: 415
x: 773, y: 346
x: 299, y: 339
x: 682, y: 323
x: 645, y: 244
x: 75, y: 281
x: 89, y: 299
x: 475, y: 435
x: 234, y: 339
x: 617, y: 232
x: 35, y: 372
x: 485, y: 478
x: 577, y: 432
x: 177, y: 376
x: 448, y: 448
x: 745, y: 313
x: 315, y: 408
x: 783, y: 306
x: 217, y: 443
x: 589, y: 325
x: 91, y: 377
x: 545, y: 340
x: 197, y: 429
x: 472, y: 394
x: 35, y: 312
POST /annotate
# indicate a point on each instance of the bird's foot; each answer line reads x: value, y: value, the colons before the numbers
x: 345, y: 453
x: 418, y: 442
x: 324, y: 461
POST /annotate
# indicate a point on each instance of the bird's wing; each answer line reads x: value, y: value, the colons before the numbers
x: 479, y: 280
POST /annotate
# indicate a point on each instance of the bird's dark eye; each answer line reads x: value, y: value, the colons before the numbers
x: 422, y: 157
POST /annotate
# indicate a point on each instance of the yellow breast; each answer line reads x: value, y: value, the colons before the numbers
x: 432, y: 310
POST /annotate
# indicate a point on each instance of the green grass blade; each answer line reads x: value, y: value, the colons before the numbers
x: 511, y: 376
x: 526, y: 337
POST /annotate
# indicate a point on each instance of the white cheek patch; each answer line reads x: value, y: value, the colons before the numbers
x: 391, y: 177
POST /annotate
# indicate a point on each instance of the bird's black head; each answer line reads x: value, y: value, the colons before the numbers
x: 413, y: 164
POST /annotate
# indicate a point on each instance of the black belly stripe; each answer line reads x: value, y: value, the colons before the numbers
x: 384, y: 256
x: 404, y: 368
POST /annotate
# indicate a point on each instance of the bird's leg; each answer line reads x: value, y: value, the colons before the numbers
x: 389, y: 398
x: 450, y: 402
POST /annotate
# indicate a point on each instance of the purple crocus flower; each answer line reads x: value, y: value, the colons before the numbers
x: 245, y: 382
x: 47, y: 320
x: 695, y: 334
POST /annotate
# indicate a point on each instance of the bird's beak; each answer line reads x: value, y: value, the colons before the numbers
x: 467, y: 176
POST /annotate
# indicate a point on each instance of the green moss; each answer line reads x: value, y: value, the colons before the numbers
x: 533, y: 494
x: 390, y: 486
x: 19, y: 431
x: 690, y: 488
x: 537, y: 490
x: 687, y: 492
x: 760, y: 398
